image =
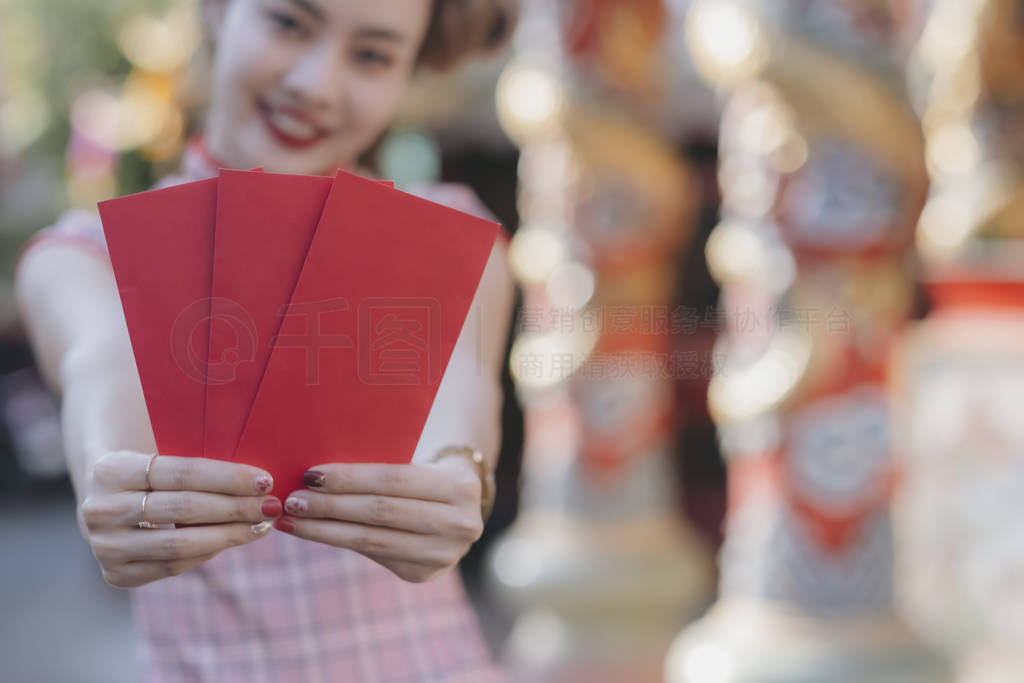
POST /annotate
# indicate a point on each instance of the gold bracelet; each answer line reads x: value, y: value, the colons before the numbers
x: 488, y: 486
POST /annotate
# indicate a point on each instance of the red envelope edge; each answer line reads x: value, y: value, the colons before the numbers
x: 265, y: 223
x: 379, y: 304
x: 160, y: 245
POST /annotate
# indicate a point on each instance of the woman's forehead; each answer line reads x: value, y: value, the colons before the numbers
x: 381, y: 18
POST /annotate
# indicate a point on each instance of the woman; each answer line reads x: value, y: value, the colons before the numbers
x: 359, y: 586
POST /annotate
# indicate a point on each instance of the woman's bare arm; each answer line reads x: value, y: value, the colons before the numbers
x: 68, y: 301
x: 72, y: 311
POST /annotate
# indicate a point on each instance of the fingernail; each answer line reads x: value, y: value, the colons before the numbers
x: 260, y: 528
x: 285, y: 524
x: 314, y: 478
x: 271, y: 508
x: 296, y: 505
x: 263, y: 483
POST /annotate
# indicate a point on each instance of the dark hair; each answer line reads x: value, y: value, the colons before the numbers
x: 459, y: 28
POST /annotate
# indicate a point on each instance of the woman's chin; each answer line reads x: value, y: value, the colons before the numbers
x: 274, y: 158
x: 278, y: 161
x: 278, y: 157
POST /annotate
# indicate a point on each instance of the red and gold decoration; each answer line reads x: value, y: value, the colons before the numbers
x: 599, y: 566
x: 960, y: 374
x: 822, y: 178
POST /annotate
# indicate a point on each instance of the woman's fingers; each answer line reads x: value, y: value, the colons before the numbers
x: 126, y: 470
x: 422, y: 481
x: 378, y: 543
x: 135, y: 574
x: 124, y: 508
x: 408, y: 514
x: 133, y: 545
x: 215, y: 504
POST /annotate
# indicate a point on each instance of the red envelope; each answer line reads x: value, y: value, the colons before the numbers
x: 160, y: 245
x: 265, y: 223
x: 379, y: 304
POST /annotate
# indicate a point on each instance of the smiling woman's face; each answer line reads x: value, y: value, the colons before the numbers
x: 305, y: 86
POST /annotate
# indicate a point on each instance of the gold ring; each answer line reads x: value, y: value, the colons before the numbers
x: 487, y: 484
x: 142, y: 516
x: 149, y: 468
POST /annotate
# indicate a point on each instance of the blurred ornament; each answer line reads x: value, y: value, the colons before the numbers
x: 535, y: 252
x: 91, y: 171
x: 160, y: 44
x: 619, y: 40
x: 634, y: 196
x: 131, y: 118
x: 959, y: 373
x: 31, y: 419
x: 409, y: 156
x: 821, y: 159
x: 959, y: 376
x: 725, y: 41
x: 24, y: 117
x: 530, y: 102
x: 599, y: 566
x: 570, y: 286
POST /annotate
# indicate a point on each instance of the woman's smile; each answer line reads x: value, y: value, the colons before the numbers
x: 291, y: 127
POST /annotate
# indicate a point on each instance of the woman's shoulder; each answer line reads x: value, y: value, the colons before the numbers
x: 83, y: 228
x: 77, y: 227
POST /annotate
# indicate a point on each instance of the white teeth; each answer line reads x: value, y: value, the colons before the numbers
x: 292, y: 126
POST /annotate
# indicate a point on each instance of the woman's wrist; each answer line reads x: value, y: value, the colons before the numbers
x: 102, y: 408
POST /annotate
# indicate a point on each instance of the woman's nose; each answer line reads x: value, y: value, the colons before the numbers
x: 316, y: 78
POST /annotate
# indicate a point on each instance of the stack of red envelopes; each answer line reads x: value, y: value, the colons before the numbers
x: 285, y: 321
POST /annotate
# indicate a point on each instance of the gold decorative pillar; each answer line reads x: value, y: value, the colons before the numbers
x: 600, y: 567
x: 822, y: 179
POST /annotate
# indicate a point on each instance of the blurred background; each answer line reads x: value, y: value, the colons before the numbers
x: 762, y: 399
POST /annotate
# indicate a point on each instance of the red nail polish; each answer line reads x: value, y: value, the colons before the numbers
x: 271, y: 508
x: 314, y: 478
x: 285, y: 524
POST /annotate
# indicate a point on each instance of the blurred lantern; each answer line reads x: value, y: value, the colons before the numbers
x: 24, y: 116
x: 822, y: 178
x: 599, y: 566
x: 535, y: 253
x: 25, y: 113
x: 530, y: 103
x: 133, y: 118
x: 725, y: 41
x: 960, y: 373
x: 160, y: 44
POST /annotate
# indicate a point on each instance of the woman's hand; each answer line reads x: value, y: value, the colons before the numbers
x: 227, y: 501
x: 417, y: 520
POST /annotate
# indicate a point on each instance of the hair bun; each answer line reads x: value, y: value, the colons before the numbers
x: 459, y: 28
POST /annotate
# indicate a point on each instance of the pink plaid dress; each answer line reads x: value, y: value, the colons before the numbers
x: 283, y: 609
